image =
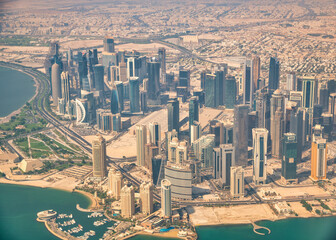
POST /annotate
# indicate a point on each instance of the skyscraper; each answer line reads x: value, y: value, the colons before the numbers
x: 240, y: 134
x: 259, y: 155
x: 108, y: 44
x: 173, y: 115
x: 210, y: 91
x: 220, y: 87
x: 332, y: 106
x: 115, y: 183
x: 99, y: 157
x: 146, y: 197
x: 195, y: 132
x: 162, y: 59
x: 120, y: 89
x: 255, y: 74
x: 224, y: 158
x: 98, y: 71
x: 193, y: 110
x: 289, y: 157
x: 273, y: 79
x: 114, y: 101
x: 134, y: 94
x: 141, y: 140
x: 56, y: 83
x: 166, y: 203
x: 184, y: 78
x: 309, y: 89
x: 230, y: 92
x: 291, y: 83
x: 153, y: 70
x: 247, y: 76
x: 65, y: 83
x: 263, y: 106
x: 127, y: 201
x: 237, y: 182
x: 143, y: 101
x: 150, y: 151
x: 155, y: 133
x: 318, y: 155
x: 277, y: 122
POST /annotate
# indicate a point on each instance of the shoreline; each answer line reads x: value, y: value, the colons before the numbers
x: 7, y: 118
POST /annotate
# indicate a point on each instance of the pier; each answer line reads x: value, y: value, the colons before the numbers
x: 88, y: 210
x: 256, y: 227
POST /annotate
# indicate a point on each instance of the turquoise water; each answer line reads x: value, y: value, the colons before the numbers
x: 20, y: 204
x: 16, y: 88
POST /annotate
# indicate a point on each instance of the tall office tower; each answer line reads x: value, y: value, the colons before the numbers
x: 274, y: 73
x: 296, y: 96
x: 309, y: 89
x: 150, y: 152
x: 130, y: 64
x: 318, y: 155
x: 143, y: 101
x: 263, y: 108
x: 56, y: 83
x: 332, y: 106
x: 230, y: 92
x: 141, y: 141
x: 122, y: 69
x: 277, y: 121
x: 180, y: 177
x: 255, y: 74
x: 104, y: 119
x: 195, y: 132
x: 166, y: 202
x: 127, y: 201
x: 113, y: 74
x: 162, y: 59
x: 252, y: 123
x: 217, y: 128
x: 247, y: 75
x: 327, y: 125
x: 223, y: 158
x: 203, y: 77
x: 201, y: 96
x: 98, y: 71
x: 317, y: 114
x: 291, y: 82
x: 289, y: 157
x: 182, y: 153
x: 193, y: 110
x: 237, y: 182
x: 323, y: 98
x: 228, y: 128
x: 157, y: 169
x: 120, y: 90
x: 99, y: 157
x: 61, y: 106
x: 172, y: 150
x: 210, y: 91
x: 114, y: 101
x: 331, y: 85
x: 184, y: 78
x: 134, y: 94
x: 146, y: 198
x: 173, y: 115
x: 260, y: 136
x: 153, y: 70
x: 155, y: 133
x: 108, y: 44
x: 116, y: 123
x: 115, y: 183
x: 220, y: 87
x: 65, y: 84
x: 240, y: 133
x: 203, y: 148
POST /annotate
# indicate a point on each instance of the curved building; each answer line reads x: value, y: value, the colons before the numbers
x: 180, y: 178
x: 80, y: 110
x: 56, y: 83
x: 114, y: 101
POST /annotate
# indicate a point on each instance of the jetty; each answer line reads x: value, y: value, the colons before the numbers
x: 256, y: 227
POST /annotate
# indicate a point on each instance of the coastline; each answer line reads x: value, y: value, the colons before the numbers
x: 17, y: 111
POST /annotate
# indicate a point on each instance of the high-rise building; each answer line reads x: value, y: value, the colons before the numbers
x: 146, y: 198
x: 141, y: 140
x: 173, y: 115
x: 166, y: 195
x: 240, y: 134
x: 297, y: 128
x: 120, y: 89
x: 172, y: 150
x: 260, y: 136
x: 237, y: 182
x: 274, y: 74
x: 332, y: 106
x: 162, y: 59
x: 155, y: 133
x: 195, y: 132
x: 153, y: 88
x: 217, y: 128
x: 323, y: 98
x: 277, y: 122
x: 143, y: 101
x: 223, y: 158
x: 114, y: 101
x: 157, y: 169
x: 134, y: 94
x: 108, y: 44
x: 318, y: 155
x: 247, y: 77
x: 127, y: 201
x: 99, y: 157
x: 309, y: 89
x: 203, y: 149
x: 180, y: 178
x: 193, y: 110
x: 104, y: 120
x: 289, y: 157
x: 255, y: 74
x: 98, y: 71
x: 181, y: 153
x: 150, y: 151
x: 115, y: 183
x: 220, y: 87
x: 65, y: 84
x: 210, y: 91
x: 56, y: 83
x: 230, y: 92
x: 263, y: 106
x: 184, y: 78
x: 291, y: 83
